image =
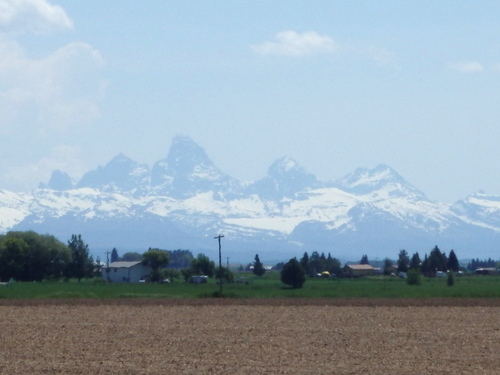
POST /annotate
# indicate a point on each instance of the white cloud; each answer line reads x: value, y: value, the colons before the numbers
x: 467, y: 66
x: 37, y: 16
x: 52, y: 92
x: 63, y: 157
x: 61, y: 89
x: 291, y: 43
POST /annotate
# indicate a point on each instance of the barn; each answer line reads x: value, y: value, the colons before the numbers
x: 359, y: 270
x: 125, y: 272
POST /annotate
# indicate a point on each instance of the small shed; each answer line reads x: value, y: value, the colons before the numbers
x: 125, y: 272
x: 358, y: 270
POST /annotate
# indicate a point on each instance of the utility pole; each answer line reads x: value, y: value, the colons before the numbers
x: 220, y: 262
x: 107, y: 265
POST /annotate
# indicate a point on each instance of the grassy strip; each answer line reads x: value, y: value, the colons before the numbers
x: 268, y: 286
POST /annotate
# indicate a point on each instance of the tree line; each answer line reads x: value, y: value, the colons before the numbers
x: 29, y: 256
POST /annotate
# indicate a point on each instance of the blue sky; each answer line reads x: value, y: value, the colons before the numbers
x: 335, y: 85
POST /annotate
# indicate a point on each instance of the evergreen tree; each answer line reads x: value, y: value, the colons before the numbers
x: 415, y: 261
x: 437, y: 260
x: 333, y: 265
x: 364, y: 260
x: 82, y: 263
x: 388, y: 266
x: 425, y: 268
x: 293, y: 274
x: 315, y: 264
x: 258, y: 267
x: 304, y: 262
x: 453, y: 264
x: 403, y: 261
x: 114, y: 255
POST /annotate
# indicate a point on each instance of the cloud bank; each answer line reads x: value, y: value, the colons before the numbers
x: 291, y: 43
x: 57, y: 90
x: 47, y: 97
x: 32, y: 16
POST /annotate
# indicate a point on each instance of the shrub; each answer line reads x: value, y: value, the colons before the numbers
x: 450, y: 279
x: 413, y: 277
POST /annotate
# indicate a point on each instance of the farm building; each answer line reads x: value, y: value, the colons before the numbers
x: 486, y: 271
x: 358, y: 270
x: 125, y: 272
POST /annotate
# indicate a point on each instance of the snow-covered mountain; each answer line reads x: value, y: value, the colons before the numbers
x: 184, y: 200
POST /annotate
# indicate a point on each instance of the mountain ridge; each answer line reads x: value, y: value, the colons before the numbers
x: 184, y: 200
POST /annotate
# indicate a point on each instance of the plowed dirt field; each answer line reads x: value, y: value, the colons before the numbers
x: 250, y: 337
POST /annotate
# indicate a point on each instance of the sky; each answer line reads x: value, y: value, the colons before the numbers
x: 335, y: 85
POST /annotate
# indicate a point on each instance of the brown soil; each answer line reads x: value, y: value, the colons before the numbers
x: 222, y: 336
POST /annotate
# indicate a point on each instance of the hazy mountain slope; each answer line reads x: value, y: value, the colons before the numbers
x: 184, y: 200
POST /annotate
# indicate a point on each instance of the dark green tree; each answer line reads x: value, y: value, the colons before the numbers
x: 186, y: 274
x: 202, y: 265
x: 333, y: 266
x: 316, y: 263
x: 293, y: 274
x: 304, y: 262
x: 415, y: 261
x: 180, y: 259
x: 258, y: 267
x: 388, y: 266
x: 82, y: 263
x: 155, y: 258
x: 114, y: 255
x: 227, y: 275
x: 46, y: 258
x: 453, y: 264
x: 437, y: 260
x: 364, y: 260
x: 13, y: 253
x: 425, y: 267
x: 403, y: 261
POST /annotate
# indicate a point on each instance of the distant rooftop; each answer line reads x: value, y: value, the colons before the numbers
x: 123, y: 264
x: 360, y: 266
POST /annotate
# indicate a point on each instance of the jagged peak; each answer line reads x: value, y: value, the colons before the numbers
x: 374, y: 176
x: 186, y: 154
x: 365, y: 181
x: 120, y: 159
x: 60, y: 180
x: 284, y: 165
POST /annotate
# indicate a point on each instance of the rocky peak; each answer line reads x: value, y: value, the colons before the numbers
x: 285, y: 178
x: 60, y: 181
x: 188, y: 170
x: 120, y: 174
x: 367, y: 181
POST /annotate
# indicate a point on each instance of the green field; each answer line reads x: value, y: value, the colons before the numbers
x: 268, y: 286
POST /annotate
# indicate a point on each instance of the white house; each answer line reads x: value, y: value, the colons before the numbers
x: 125, y: 272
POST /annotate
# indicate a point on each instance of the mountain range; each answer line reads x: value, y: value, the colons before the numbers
x: 184, y: 201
